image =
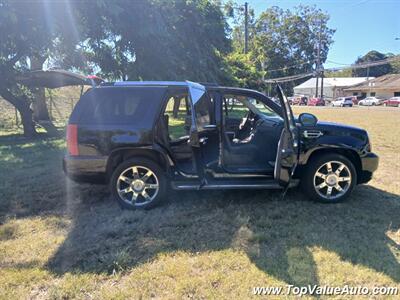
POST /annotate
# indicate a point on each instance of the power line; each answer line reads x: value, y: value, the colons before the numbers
x: 337, y: 63
x: 289, y: 67
x: 366, y: 64
x: 354, y: 66
x: 289, y: 78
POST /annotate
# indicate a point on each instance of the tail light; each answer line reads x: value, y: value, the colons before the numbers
x: 72, y: 139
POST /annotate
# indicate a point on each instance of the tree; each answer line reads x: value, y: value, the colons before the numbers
x: 243, y: 72
x: 28, y: 32
x: 149, y: 40
x: 341, y: 73
x: 395, y: 64
x: 235, y: 12
x: 376, y: 71
x: 285, y: 42
x: 289, y: 41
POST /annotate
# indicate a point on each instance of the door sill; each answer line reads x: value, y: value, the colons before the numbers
x: 230, y: 184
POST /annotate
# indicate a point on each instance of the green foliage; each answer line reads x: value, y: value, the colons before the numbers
x: 283, y: 42
x: 155, y: 40
x: 395, y: 64
x: 243, y: 72
x: 30, y: 32
x: 372, y: 71
x: 341, y: 73
x: 288, y: 39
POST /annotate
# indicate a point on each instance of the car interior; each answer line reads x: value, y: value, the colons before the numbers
x: 174, y: 129
x: 249, y: 136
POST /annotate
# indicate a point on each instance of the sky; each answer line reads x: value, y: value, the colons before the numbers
x: 361, y: 25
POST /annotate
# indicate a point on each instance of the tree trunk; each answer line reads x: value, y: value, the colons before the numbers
x: 27, y: 121
x: 175, y: 110
x: 40, y: 112
x: 22, y: 105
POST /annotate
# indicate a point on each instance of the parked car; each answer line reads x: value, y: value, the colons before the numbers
x: 302, y: 100
x: 370, y: 101
x: 315, y: 102
x: 394, y: 101
x: 127, y: 135
x: 343, y: 102
x: 354, y: 99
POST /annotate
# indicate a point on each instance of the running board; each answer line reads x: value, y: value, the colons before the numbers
x: 266, y: 184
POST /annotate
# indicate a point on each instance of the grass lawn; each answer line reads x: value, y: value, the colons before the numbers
x: 61, y: 240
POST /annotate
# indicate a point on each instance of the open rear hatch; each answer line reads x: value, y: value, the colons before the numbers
x: 56, y: 78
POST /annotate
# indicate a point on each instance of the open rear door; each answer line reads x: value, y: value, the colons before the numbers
x: 196, y: 93
x: 286, y: 155
x: 56, y: 78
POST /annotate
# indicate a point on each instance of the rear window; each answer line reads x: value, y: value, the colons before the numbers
x: 122, y: 105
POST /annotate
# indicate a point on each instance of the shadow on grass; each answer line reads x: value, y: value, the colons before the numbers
x: 278, y: 236
x: 31, y: 179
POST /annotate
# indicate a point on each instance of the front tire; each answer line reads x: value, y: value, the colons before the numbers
x: 138, y: 183
x: 329, y: 178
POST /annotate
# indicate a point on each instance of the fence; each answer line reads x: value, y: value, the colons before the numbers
x: 60, y: 103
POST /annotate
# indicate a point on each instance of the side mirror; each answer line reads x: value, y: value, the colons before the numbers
x: 307, y: 119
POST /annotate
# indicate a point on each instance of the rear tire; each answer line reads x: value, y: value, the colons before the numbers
x: 329, y: 178
x: 138, y: 183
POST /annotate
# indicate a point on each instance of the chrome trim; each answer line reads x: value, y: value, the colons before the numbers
x: 271, y: 185
x: 312, y: 134
x: 134, y: 183
x: 227, y: 175
x: 332, y: 182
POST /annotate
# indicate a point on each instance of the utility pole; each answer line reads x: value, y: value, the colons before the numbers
x: 322, y: 84
x: 321, y: 68
x: 246, y: 30
x: 317, y: 71
x: 318, y: 64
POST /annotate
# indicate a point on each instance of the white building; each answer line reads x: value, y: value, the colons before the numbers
x: 384, y: 87
x: 333, y: 87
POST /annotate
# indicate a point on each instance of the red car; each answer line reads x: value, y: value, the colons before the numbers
x: 316, y: 102
x: 354, y: 99
x: 394, y: 101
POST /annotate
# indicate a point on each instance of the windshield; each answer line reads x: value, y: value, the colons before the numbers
x: 238, y: 105
x: 259, y: 108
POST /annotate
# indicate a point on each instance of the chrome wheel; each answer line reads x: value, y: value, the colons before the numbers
x: 137, y: 185
x: 332, y: 180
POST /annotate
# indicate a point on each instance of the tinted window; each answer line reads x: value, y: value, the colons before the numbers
x: 128, y: 105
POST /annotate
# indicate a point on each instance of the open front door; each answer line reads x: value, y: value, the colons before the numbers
x: 286, y: 156
x: 196, y: 94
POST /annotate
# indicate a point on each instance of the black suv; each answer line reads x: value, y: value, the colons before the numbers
x: 145, y: 137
